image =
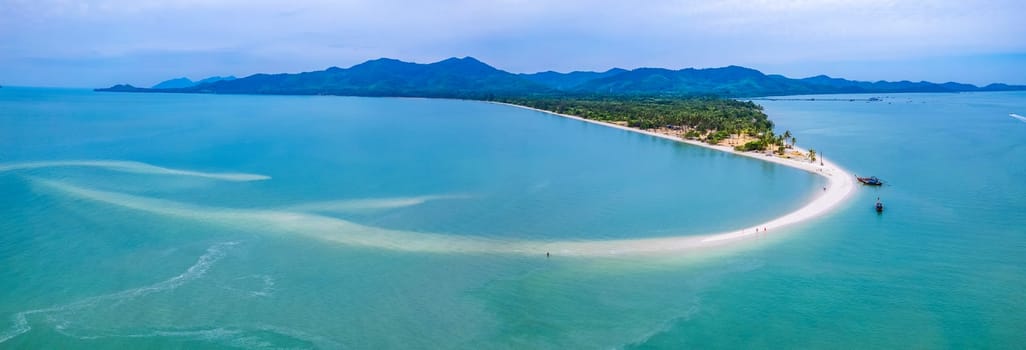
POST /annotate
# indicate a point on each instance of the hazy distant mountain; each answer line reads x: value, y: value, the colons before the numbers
x: 216, y: 78
x: 454, y: 77
x: 176, y: 83
x: 469, y: 78
x: 842, y: 85
x: 180, y: 83
x: 568, y: 81
x: 726, y: 81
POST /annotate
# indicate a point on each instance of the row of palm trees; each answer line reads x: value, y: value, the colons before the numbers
x: 787, y: 136
x: 782, y: 141
x: 705, y: 115
x: 710, y: 119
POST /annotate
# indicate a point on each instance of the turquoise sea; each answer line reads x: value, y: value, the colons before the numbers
x: 205, y: 221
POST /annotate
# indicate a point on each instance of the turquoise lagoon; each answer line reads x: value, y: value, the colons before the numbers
x: 114, y: 252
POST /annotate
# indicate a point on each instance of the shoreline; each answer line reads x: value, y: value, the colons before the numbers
x: 840, y: 185
x: 332, y: 229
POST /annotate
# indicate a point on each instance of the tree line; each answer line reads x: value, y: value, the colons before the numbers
x: 706, y: 118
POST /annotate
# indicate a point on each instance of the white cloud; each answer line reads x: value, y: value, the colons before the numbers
x: 265, y: 35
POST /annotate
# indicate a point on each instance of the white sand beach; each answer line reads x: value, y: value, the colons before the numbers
x: 304, y: 220
x: 840, y: 186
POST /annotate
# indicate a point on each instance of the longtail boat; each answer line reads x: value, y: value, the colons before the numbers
x: 872, y: 181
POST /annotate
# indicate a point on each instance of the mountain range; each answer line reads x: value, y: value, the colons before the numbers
x: 468, y: 77
x: 179, y: 83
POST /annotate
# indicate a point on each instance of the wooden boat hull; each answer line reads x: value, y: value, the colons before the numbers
x: 869, y: 181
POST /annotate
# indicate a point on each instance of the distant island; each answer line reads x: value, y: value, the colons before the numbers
x: 181, y: 83
x: 687, y: 104
x: 470, y: 78
x: 695, y: 106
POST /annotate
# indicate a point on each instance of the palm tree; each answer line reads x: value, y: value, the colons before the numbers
x: 794, y: 140
x: 812, y: 155
x: 787, y: 134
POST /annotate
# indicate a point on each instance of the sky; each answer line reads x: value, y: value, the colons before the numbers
x: 97, y: 43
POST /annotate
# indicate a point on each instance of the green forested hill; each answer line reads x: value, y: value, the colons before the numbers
x: 469, y: 78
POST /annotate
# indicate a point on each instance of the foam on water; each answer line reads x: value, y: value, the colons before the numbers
x: 260, y: 337
x: 197, y: 270
x: 265, y: 290
x: 132, y: 167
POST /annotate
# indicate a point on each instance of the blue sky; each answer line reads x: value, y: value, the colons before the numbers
x: 98, y: 43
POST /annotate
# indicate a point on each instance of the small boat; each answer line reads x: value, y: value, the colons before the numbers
x: 872, y: 181
x: 879, y: 206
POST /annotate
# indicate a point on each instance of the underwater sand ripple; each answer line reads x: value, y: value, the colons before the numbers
x: 132, y: 167
x: 369, y: 204
x: 349, y: 233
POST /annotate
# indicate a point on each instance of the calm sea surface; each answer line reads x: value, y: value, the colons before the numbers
x: 132, y: 236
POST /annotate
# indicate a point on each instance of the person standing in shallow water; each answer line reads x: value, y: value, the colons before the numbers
x: 546, y: 254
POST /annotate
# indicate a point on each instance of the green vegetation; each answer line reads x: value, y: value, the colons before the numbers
x: 469, y: 78
x: 752, y: 146
x: 690, y: 103
x: 710, y: 119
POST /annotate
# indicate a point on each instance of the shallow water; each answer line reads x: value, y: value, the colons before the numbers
x: 221, y: 264
x: 942, y: 267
